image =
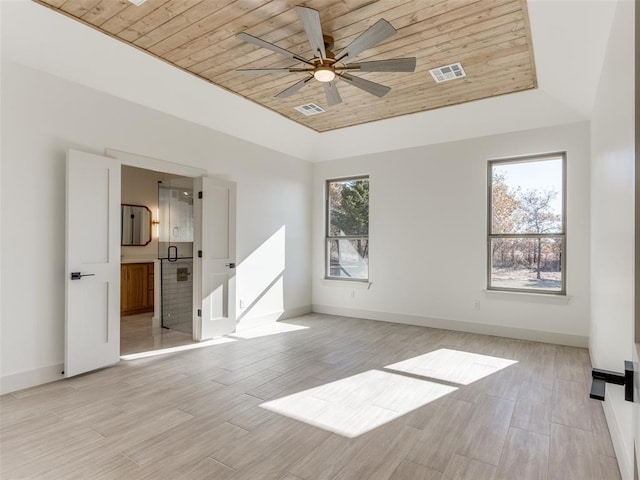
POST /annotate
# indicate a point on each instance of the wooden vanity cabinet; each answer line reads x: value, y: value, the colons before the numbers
x: 136, y: 288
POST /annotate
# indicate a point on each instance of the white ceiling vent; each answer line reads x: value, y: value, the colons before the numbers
x: 448, y: 72
x: 309, y: 109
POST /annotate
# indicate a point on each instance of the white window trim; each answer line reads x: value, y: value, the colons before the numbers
x: 523, y: 159
x: 360, y: 283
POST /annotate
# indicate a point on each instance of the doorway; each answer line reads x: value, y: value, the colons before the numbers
x: 156, y: 287
x: 94, y: 256
x: 175, y: 253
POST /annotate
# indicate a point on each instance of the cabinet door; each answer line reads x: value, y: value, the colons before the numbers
x: 138, y: 279
x: 150, y: 285
x: 134, y: 294
x: 124, y: 297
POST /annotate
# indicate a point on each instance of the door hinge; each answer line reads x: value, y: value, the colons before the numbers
x: 199, y: 312
x: 199, y: 253
x: 199, y: 194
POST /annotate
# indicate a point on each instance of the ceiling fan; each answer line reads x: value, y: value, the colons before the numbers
x: 325, y: 65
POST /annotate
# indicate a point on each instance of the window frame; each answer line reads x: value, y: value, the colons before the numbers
x: 328, y: 237
x: 562, y: 235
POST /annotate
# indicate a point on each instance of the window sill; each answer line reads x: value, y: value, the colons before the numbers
x: 353, y: 284
x: 532, y: 297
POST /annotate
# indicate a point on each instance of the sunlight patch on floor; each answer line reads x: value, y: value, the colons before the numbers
x: 355, y: 405
x: 452, y: 366
x: 266, y: 330
x: 180, y: 348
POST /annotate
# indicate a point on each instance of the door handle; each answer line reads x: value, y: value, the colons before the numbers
x: 78, y: 275
x: 230, y: 265
x: 175, y: 251
x: 602, y: 377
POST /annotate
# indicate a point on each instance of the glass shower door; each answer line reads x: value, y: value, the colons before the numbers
x: 175, y: 251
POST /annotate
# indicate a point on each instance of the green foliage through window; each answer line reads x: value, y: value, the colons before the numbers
x: 348, y: 228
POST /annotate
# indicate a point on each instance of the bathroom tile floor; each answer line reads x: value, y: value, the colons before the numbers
x: 138, y: 335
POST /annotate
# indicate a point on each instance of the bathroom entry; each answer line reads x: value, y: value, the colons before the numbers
x: 93, y: 246
x: 175, y: 252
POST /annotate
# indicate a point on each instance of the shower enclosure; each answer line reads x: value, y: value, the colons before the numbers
x: 175, y: 252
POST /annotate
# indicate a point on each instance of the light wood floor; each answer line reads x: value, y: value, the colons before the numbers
x: 138, y: 335
x: 197, y: 414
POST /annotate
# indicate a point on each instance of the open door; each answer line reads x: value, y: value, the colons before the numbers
x: 92, y: 273
x: 214, y: 262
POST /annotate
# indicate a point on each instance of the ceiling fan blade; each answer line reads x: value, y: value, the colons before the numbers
x: 273, y: 70
x: 391, y: 65
x: 367, y: 85
x: 310, y: 18
x: 245, y: 37
x: 293, y: 88
x: 378, y: 32
x: 333, y: 96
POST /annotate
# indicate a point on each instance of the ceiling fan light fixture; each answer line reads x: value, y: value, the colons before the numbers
x: 137, y: 3
x: 324, y: 74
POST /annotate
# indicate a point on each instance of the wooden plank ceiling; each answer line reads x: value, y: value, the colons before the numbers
x: 490, y: 38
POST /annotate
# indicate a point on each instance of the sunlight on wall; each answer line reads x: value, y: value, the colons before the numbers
x: 452, y: 366
x: 355, y: 405
x: 260, y: 290
x: 181, y: 348
x: 268, y: 329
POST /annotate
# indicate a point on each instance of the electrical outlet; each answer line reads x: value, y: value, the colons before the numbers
x: 476, y: 305
x: 241, y: 303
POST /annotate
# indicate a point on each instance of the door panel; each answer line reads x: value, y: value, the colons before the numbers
x: 92, y: 316
x: 175, y: 251
x: 214, y: 272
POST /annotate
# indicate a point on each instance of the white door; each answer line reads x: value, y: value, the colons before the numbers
x: 92, y: 273
x: 215, y: 256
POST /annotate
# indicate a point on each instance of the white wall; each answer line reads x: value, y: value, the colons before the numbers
x: 43, y: 116
x: 428, y: 239
x: 612, y: 234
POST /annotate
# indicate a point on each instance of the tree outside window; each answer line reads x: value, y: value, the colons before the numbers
x: 527, y: 224
x: 347, y: 238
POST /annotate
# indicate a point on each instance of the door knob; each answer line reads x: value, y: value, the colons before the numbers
x: 230, y: 265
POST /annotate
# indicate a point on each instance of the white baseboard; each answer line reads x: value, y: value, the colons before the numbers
x: 625, y: 464
x: 296, y: 312
x: 252, y: 322
x: 485, y: 329
x: 31, y: 378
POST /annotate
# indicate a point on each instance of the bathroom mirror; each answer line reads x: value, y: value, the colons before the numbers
x: 135, y: 225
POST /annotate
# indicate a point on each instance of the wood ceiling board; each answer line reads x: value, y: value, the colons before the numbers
x: 80, y: 7
x: 105, y: 10
x: 126, y: 17
x: 491, y: 38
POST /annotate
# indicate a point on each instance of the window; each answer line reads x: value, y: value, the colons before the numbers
x: 347, y: 230
x: 526, y: 224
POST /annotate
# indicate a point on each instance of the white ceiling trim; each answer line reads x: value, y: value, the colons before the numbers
x: 569, y: 43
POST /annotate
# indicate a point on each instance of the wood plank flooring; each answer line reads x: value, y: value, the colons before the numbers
x: 197, y: 414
